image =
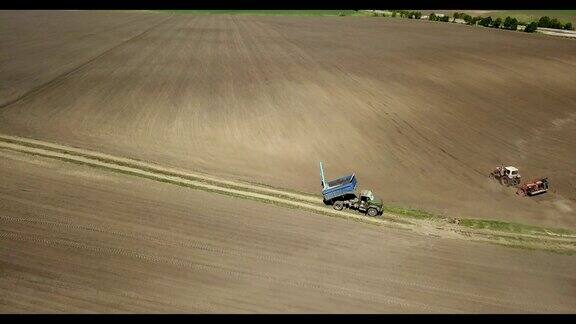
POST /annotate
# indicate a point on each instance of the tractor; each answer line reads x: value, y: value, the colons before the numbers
x: 507, y: 176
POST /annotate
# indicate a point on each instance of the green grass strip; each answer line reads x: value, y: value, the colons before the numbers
x: 496, y: 225
x: 412, y: 213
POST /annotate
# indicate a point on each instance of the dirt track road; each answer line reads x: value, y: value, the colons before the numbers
x: 155, y: 247
x: 282, y: 198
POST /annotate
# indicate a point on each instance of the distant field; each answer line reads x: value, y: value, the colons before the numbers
x: 272, y: 12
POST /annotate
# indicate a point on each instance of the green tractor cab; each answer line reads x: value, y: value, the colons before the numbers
x: 368, y: 204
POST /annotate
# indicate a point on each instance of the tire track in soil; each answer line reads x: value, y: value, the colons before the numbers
x: 198, y: 245
x: 237, y: 274
x: 93, y: 33
x: 58, y: 79
x: 82, y: 303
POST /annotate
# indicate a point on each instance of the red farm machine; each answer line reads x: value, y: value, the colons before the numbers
x: 510, y: 177
x: 534, y: 187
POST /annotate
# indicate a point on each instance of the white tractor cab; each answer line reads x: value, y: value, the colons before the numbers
x: 511, y: 172
x: 508, y: 176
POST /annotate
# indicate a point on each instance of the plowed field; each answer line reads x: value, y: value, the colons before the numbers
x: 420, y: 111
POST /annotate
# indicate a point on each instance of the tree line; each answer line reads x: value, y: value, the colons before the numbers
x: 506, y: 23
x: 512, y: 23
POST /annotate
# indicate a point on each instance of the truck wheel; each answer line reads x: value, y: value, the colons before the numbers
x: 504, y: 181
x: 372, y: 212
x: 338, y: 205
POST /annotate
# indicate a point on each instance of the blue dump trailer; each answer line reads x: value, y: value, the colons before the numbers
x: 340, y: 188
x: 341, y: 193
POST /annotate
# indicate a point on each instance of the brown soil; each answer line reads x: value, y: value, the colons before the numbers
x: 78, y: 239
x: 420, y: 111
